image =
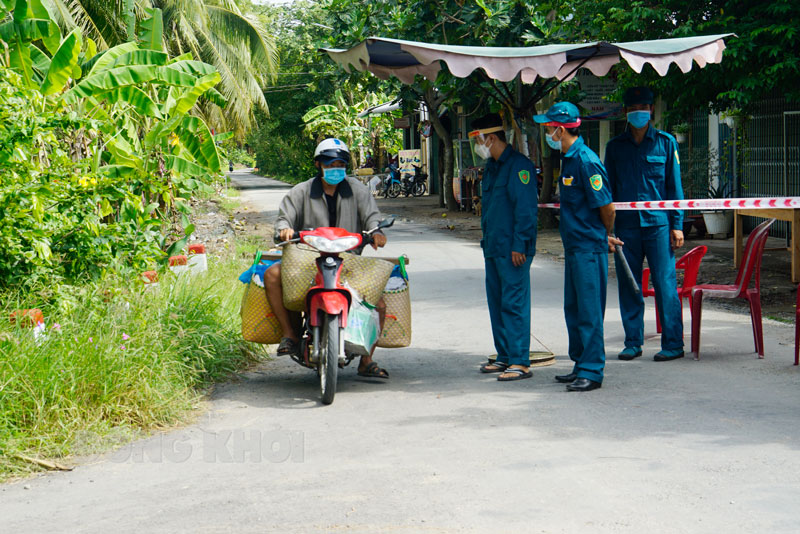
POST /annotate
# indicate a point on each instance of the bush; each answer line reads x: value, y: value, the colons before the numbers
x: 290, y: 160
x: 240, y: 156
x: 60, y: 218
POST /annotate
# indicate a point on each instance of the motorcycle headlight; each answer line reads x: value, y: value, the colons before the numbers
x: 331, y: 245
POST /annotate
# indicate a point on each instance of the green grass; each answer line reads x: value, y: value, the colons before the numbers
x: 117, y: 361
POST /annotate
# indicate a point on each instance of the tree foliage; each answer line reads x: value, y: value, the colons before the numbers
x: 306, y: 80
x: 763, y: 57
x: 216, y: 32
x: 97, y: 151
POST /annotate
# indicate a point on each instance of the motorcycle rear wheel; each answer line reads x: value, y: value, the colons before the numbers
x: 329, y: 357
x: 394, y: 190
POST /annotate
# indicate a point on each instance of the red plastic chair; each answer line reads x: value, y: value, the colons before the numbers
x: 751, y: 262
x: 689, y: 263
x: 797, y: 327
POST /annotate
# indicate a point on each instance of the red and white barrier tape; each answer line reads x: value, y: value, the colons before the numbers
x: 704, y: 204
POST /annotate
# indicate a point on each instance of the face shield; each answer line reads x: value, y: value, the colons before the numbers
x: 477, y: 143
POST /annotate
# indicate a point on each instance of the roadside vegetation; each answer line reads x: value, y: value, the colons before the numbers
x: 116, y: 359
x: 114, y: 118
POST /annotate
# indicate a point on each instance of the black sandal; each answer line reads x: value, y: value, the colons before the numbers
x: 288, y: 346
x: 520, y: 374
x: 499, y: 367
x: 373, y: 371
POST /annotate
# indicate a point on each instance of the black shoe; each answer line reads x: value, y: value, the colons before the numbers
x: 668, y: 355
x: 566, y: 379
x: 629, y: 353
x: 583, y: 384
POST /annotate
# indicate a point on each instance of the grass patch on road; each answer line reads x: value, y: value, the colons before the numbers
x: 116, y: 360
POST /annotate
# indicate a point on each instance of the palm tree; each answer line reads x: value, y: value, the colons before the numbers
x: 214, y: 31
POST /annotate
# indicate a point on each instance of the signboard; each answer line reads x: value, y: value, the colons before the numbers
x: 595, y: 89
x: 402, y: 122
x: 407, y: 160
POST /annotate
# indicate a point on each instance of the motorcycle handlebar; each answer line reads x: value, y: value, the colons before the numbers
x: 366, y: 236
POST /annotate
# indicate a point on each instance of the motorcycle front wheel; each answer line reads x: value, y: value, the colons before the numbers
x: 329, y: 357
x: 419, y: 189
x: 394, y: 190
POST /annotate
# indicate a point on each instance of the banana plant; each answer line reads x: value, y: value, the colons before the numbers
x: 30, y: 22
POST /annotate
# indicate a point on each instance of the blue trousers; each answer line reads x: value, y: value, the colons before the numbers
x: 508, y: 292
x: 651, y: 242
x: 585, y: 279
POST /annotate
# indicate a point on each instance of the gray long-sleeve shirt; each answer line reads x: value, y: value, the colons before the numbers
x: 305, y: 206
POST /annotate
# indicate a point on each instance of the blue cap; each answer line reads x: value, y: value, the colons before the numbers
x: 637, y: 95
x: 563, y: 113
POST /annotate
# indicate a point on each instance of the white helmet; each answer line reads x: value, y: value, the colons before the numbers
x: 330, y: 150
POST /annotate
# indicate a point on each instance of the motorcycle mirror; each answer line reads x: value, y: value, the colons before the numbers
x: 387, y: 222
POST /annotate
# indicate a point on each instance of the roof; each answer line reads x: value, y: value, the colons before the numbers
x: 405, y: 59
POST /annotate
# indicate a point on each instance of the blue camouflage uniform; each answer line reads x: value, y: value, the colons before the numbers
x: 508, y: 221
x: 648, y: 171
x: 583, y: 188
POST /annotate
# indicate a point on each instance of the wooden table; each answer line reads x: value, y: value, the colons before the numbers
x: 782, y: 214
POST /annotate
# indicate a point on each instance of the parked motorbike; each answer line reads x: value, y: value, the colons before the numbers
x: 417, y: 184
x: 394, y: 184
x: 328, y: 303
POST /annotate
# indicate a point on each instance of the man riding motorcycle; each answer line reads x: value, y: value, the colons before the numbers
x: 329, y: 199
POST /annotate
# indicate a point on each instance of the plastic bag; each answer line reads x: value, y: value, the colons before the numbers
x: 363, y: 327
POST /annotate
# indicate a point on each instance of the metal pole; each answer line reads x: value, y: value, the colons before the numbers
x: 735, y: 163
x: 786, y: 164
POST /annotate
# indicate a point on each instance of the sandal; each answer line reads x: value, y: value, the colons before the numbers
x: 499, y: 367
x: 521, y: 373
x: 373, y: 371
x: 288, y: 346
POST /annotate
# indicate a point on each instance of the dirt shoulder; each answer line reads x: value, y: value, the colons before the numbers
x: 778, y: 293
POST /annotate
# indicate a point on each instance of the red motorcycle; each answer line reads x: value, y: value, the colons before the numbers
x: 328, y: 304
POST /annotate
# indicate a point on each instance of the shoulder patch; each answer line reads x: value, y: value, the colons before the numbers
x: 677, y: 158
x: 596, y: 181
x: 524, y: 177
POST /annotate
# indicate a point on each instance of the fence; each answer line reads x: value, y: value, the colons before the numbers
x: 759, y: 158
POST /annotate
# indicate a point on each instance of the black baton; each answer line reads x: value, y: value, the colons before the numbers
x: 626, y: 269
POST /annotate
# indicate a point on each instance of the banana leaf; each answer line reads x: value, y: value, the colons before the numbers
x: 196, y: 68
x: 140, y: 57
x: 152, y: 30
x: 319, y: 111
x: 62, y: 64
x: 215, y: 97
x: 20, y: 60
x: 187, y: 100
x: 52, y: 41
x: 184, y: 166
x: 106, y: 58
x: 39, y: 62
x: 128, y: 75
x: 133, y: 96
x: 196, y: 138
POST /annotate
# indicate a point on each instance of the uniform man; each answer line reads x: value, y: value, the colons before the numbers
x: 643, y: 164
x: 508, y: 222
x: 587, y: 218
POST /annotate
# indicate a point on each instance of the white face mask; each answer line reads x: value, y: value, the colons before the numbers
x: 483, y: 150
x: 551, y: 141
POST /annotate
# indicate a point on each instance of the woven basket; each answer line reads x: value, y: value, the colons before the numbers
x: 397, y: 325
x: 259, y: 324
x: 368, y: 276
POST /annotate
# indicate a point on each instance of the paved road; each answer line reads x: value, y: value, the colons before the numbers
x: 684, y: 446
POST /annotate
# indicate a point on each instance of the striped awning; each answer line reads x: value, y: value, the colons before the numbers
x: 405, y: 59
